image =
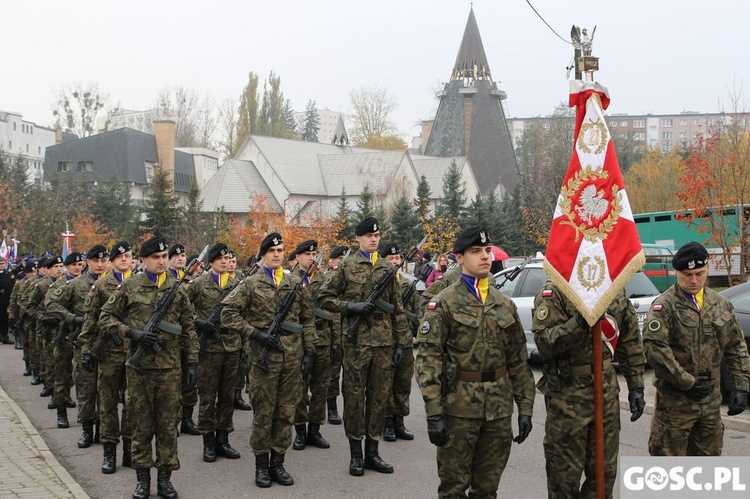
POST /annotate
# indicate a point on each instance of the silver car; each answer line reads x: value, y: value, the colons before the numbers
x: 529, y: 278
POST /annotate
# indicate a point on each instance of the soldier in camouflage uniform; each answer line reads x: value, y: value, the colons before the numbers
x: 18, y: 313
x: 398, y: 395
x: 372, y: 350
x: 153, y: 390
x: 337, y: 354
x: 690, y: 330
x: 244, y: 368
x: 30, y: 322
x: 69, y: 307
x: 471, y: 366
x: 320, y: 375
x: 105, y: 354
x: 219, y: 360
x: 564, y: 340
x: 63, y: 350
x: 248, y: 311
x: 14, y: 323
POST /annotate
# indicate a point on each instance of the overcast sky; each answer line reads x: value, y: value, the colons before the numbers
x: 657, y: 56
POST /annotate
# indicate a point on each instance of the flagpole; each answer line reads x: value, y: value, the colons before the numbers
x: 598, y: 408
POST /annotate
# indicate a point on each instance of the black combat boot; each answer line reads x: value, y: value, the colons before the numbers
x: 389, y: 435
x: 46, y: 391
x: 51, y: 404
x: 239, y: 402
x: 5, y: 340
x: 278, y: 473
x: 356, y: 466
x: 209, y: 447
x: 62, y: 417
x: 127, y: 452
x: 35, y: 379
x: 164, y: 486
x: 301, y: 438
x: 143, y: 489
x: 262, y: 472
x: 333, y: 411
x: 70, y: 404
x: 314, y: 437
x: 188, y: 425
x: 27, y: 370
x: 109, y: 463
x: 223, y: 448
x: 373, y: 460
x: 400, y: 429
x: 87, y: 437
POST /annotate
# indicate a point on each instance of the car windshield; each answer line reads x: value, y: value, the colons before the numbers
x: 640, y: 286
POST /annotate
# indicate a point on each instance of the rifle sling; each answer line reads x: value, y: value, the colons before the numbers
x: 323, y: 314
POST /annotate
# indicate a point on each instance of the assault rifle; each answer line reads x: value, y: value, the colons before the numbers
x: 62, y: 335
x: 422, y: 275
x: 286, y: 305
x: 162, y: 307
x: 512, y: 274
x: 379, y: 288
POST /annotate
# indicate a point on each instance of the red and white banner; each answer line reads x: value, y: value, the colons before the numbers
x: 593, y: 247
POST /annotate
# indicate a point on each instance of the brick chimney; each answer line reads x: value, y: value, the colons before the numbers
x: 164, y: 132
x: 58, y: 134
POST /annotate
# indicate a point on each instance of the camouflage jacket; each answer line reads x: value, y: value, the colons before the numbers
x: 68, y: 301
x: 450, y: 277
x: 326, y: 331
x: 412, y: 306
x: 353, y: 281
x: 13, y: 308
x: 35, y: 296
x: 682, y: 341
x: 253, y: 304
x: 205, y: 294
x: 460, y: 335
x: 133, y: 305
x: 564, y: 345
x: 99, y: 293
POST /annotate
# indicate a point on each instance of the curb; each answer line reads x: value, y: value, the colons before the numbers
x: 44, y: 452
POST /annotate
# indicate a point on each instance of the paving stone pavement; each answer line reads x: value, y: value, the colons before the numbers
x: 28, y: 469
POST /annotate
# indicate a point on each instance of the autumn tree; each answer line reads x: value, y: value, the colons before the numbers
x: 271, y: 120
x: 78, y: 105
x: 247, y: 114
x: 387, y: 143
x: 371, y: 110
x: 652, y: 183
x: 89, y: 231
x: 228, y: 129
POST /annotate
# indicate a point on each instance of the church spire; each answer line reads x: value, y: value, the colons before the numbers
x: 471, y: 61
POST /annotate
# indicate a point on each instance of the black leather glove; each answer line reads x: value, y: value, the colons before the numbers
x: 637, y: 403
x: 77, y: 321
x: 359, y: 308
x: 524, y: 428
x: 437, y: 430
x: 206, y: 327
x: 266, y: 340
x: 737, y: 402
x: 398, y: 355
x: 140, y: 336
x: 88, y: 362
x: 307, y: 363
x: 699, y: 390
x: 48, y: 321
x: 192, y: 375
x: 335, y: 349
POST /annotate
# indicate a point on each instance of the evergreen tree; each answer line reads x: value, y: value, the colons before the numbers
x: 162, y: 212
x: 344, y: 215
x: 423, y: 198
x: 512, y: 236
x: 476, y: 214
x: 453, y: 202
x: 290, y: 123
x: 312, y: 122
x: 195, y: 232
x: 365, y: 205
x: 405, y: 229
x: 111, y: 206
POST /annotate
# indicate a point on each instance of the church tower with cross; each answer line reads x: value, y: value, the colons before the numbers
x: 470, y: 120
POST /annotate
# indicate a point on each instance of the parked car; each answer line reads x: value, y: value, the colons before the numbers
x: 529, y: 278
x: 658, y: 267
x: 740, y: 297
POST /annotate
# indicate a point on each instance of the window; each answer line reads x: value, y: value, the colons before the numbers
x: 683, y: 122
x: 666, y: 123
x: 623, y: 123
x: 683, y: 135
x: 64, y: 166
x: 711, y: 121
x: 613, y: 124
x: 32, y: 130
x: 39, y: 150
x: 639, y: 136
x: 545, y: 126
x: 10, y: 143
x: 639, y: 124
x: 696, y: 122
x: 149, y: 173
x: 14, y: 126
x: 667, y: 135
x: 85, y: 166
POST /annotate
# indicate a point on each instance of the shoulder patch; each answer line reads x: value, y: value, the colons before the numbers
x: 425, y: 327
x: 433, y: 305
x: 542, y: 312
x: 654, y: 325
x: 328, y: 279
x: 656, y: 308
x: 111, y: 299
x: 233, y: 293
x: 58, y: 291
x: 547, y: 293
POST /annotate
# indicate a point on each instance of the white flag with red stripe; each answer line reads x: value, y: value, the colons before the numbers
x: 593, y: 247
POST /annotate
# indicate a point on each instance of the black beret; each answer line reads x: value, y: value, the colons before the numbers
x: 338, y: 251
x: 42, y: 263
x: 97, y: 251
x: 272, y: 239
x: 31, y: 265
x: 217, y: 250
x: 304, y: 246
x: 473, y: 236
x: 390, y: 249
x: 690, y: 256
x: 366, y: 226
x: 231, y: 255
x: 176, y: 249
x: 74, y: 257
x: 154, y: 245
x: 120, y: 248
x: 51, y: 262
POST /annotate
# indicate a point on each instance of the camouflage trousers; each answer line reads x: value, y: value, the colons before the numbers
x: 25, y: 340
x: 110, y: 382
x: 63, y: 374
x: 366, y: 382
x: 569, y: 447
x: 334, y: 388
x: 34, y: 350
x: 398, y: 397
x: 189, y: 397
x: 217, y: 378
x: 274, y: 396
x: 154, y: 404
x: 85, y: 382
x: 318, y: 382
x: 681, y: 427
x: 47, y: 360
x: 242, y: 377
x: 474, y: 457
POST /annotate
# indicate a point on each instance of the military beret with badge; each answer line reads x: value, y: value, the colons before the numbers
x: 119, y: 248
x: 338, y: 251
x: 473, y: 236
x: 31, y: 265
x: 217, y: 250
x: 97, y: 251
x: 389, y: 249
x: 271, y: 240
x: 72, y: 258
x: 690, y: 256
x: 55, y: 260
x: 154, y: 245
x: 176, y: 249
x: 369, y: 225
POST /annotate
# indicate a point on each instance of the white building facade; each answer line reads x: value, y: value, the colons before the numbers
x: 26, y: 138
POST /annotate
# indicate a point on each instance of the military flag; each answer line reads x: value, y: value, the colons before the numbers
x: 67, y: 242
x: 593, y: 247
